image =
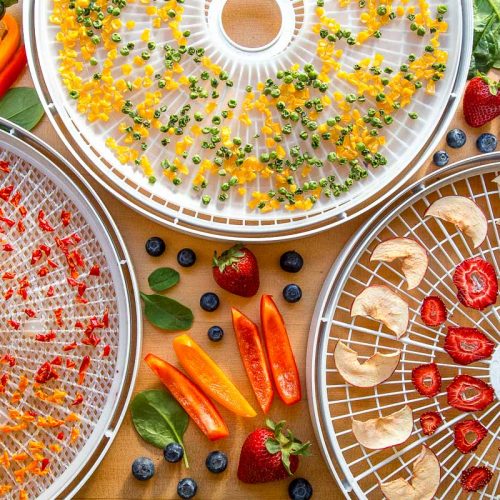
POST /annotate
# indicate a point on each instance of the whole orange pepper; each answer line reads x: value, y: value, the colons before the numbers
x: 10, y: 42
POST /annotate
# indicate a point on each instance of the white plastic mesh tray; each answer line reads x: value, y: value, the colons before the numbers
x: 45, y: 187
x: 408, y: 141
x: 333, y: 402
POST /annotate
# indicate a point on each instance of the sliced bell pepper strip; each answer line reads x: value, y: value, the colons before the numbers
x: 195, y: 403
x: 283, y: 366
x: 10, y: 42
x: 254, y: 358
x: 207, y: 374
x: 12, y: 71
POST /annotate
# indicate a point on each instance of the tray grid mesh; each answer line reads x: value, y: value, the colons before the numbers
x: 40, y: 193
x: 447, y: 247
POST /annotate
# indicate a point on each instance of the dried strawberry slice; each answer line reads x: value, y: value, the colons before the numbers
x: 459, y: 393
x: 427, y: 379
x: 430, y: 421
x: 466, y: 345
x: 474, y: 478
x: 433, y: 311
x: 476, y: 282
x: 468, y: 435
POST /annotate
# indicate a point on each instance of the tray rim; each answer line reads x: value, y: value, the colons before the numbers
x: 267, y: 233
x: 132, y: 300
x: 330, y: 291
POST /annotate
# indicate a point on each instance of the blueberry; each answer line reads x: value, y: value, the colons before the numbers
x: 187, y: 487
x: 216, y: 462
x: 300, y: 489
x: 215, y: 333
x: 209, y: 301
x: 292, y: 293
x: 440, y: 158
x: 173, y: 452
x: 486, y: 143
x: 155, y: 246
x: 143, y: 468
x: 456, y: 138
x: 186, y: 257
x: 291, y: 262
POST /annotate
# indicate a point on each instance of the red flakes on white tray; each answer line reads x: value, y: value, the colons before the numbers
x: 54, y: 323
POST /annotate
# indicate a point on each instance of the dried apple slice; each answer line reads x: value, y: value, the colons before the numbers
x: 414, y: 260
x: 372, y: 372
x: 383, y: 432
x: 381, y: 303
x: 462, y: 212
x: 425, y: 482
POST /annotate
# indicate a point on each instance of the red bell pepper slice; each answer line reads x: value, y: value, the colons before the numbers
x: 195, y: 403
x: 283, y: 366
x: 254, y: 358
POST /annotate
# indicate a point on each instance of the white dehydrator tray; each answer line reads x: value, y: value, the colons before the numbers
x: 409, y: 142
x: 49, y: 184
x: 333, y: 403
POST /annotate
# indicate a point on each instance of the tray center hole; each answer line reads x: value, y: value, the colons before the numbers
x: 251, y: 25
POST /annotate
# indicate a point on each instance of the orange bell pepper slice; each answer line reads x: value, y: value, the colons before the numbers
x: 254, y: 358
x: 207, y: 374
x: 283, y: 365
x: 195, y: 403
x: 10, y: 41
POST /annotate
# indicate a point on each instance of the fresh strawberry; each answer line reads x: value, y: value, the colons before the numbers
x: 476, y: 282
x: 481, y: 101
x: 474, y: 478
x: 466, y: 430
x: 430, y: 421
x: 433, y: 311
x: 459, y: 393
x: 237, y: 271
x: 466, y: 345
x: 427, y: 379
x: 269, y: 454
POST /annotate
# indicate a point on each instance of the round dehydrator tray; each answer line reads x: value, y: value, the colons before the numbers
x: 67, y: 292
x: 409, y: 142
x: 333, y: 403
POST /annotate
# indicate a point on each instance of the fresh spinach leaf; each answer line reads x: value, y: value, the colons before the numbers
x: 486, y: 41
x: 163, y: 278
x: 166, y: 313
x: 22, y: 106
x: 159, y: 419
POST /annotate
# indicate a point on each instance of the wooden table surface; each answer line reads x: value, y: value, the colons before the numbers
x: 113, y: 478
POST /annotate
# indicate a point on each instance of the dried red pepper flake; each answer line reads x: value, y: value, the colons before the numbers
x: 43, y: 271
x: 95, y: 270
x: 4, y: 166
x: 6, y: 192
x: 7, y: 221
x: 78, y: 324
x: 84, y: 366
x: 8, y: 276
x: 21, y: 228
x: 60, y: 436
x: 36, y: 255
x: 65, y: 217
x: 8, y: 294
x: 15, y: 199
x: 23, y: 211
x: 44, y: 463
x: 58, y: 315
x: 8, y: 247
x: 92, y: 340
x: 105, y: 318
x: 50, y: 291
x: 56, y: 361
x: 70, y: 347
x: 8, y: 358
x: 45, y: 373
x: 30, y: 313
x: 45, y: 337
x: 13, y: 324
x: 78, y: 399
x: 106, y: 351
x: 51, y: 263
x: 43, y: 223
x: 70, y: 364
